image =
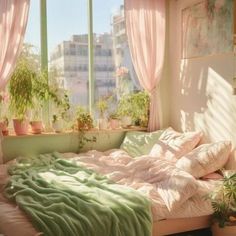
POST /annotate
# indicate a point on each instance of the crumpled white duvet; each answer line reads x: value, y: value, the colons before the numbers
x: 173, y: 192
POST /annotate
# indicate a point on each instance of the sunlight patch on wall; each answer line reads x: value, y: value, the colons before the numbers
x: 183, y: 120
x: 218, y: 118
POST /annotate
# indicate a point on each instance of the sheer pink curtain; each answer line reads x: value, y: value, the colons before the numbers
x: 145, y: 26
x: 13, y: 21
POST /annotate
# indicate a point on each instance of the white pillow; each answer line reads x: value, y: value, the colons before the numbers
x: 172, y: 145
x: 205, y: 159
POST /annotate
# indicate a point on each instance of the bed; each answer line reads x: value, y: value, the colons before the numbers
x: 176, y: 198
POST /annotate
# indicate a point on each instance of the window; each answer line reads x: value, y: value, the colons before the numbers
x: 32, y: 34
x: 67, y: 43
x: 68, y: 49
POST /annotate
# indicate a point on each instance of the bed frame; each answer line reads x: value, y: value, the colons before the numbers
x: 173, y: 226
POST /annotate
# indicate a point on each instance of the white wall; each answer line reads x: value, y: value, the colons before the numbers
x: 201, y: 88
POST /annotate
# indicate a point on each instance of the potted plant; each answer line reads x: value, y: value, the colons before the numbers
x: 133, y: 108
x: 114, y: 121
x: 57, y: 123
x: 102, y: 107
x: 58, y: 97
x: 21, y: 95
x: 36, y: 121
x: 84, y: 122
x: 140, y: 102
x: 84, y: 119
x: 223, y: 200
x: 124, y: 110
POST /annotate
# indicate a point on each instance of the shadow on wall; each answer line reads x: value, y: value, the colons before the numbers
x: 206, y: 100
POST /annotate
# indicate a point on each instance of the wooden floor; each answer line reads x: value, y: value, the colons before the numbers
x: 204, y: 232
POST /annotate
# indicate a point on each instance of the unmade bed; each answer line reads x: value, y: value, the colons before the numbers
x: 173, y: 194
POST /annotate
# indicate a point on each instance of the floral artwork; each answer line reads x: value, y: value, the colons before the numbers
x: 207, y: 28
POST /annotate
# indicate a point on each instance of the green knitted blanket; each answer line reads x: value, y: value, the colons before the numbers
x: 62, y: 198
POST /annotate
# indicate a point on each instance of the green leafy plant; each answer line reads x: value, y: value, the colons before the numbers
x: 140, y: 103
x: 43, y: 92
x: 223, y: 200
x: 114, y: 116
x: 30, y: 89
x: 84, y: 119
x: 124, y: 106
x: 135, y: 105
x: 102, y: 106
x: 21, y: 88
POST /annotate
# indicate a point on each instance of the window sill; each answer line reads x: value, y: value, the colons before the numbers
x: 69, y: 132
x: 34, y: 144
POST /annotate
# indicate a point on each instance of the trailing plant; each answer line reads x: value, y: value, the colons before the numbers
x: 85, y: 122
x: 83, y: 140
x: 43, y: 92
x: 223, y: 200
x: 54, y: 118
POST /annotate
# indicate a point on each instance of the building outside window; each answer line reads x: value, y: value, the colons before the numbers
x: 67, y: 28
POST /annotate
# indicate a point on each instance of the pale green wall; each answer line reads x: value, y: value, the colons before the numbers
x: 29, y: 145
x: 164, y: 85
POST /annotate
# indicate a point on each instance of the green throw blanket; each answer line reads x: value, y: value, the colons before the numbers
x: 65, y: 199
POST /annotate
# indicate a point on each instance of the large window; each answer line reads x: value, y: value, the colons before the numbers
x: 68, y: 49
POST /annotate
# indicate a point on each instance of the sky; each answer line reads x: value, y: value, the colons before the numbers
x: 68, y: 17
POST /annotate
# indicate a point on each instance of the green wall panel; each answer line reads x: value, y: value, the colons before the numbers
x: 14, y: 146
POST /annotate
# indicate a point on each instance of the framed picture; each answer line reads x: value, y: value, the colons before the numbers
x: 207, y: 28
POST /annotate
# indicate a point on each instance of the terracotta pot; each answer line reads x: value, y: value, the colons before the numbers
x: 114, y: 123
x: 226, y: 231
x: 36, y: 127
x: 21, y: 126
x: 80, y: 125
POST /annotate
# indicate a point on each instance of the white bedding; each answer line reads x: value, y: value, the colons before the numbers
x: 173, y: 192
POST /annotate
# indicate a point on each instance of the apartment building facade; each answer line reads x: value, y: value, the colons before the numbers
x: 70, y: 59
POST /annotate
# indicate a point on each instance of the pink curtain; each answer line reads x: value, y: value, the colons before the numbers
x: 13, y: 21
x: 145, y: 26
